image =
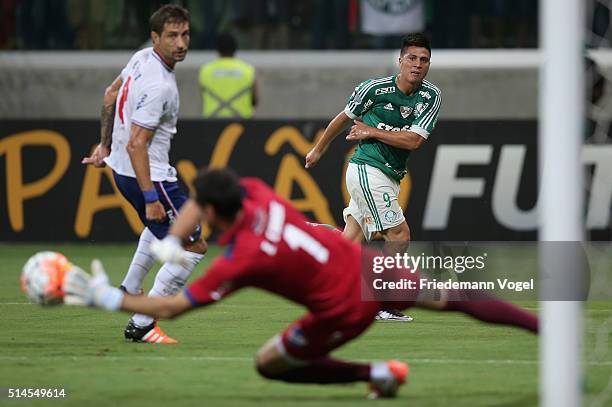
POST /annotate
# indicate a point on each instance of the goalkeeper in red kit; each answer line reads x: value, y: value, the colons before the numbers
x: 271, y: 246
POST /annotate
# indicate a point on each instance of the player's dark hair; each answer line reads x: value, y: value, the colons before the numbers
x: 226, y: 44
x: 168, y: 14
x: 415, y: 40
x: 221, y: 189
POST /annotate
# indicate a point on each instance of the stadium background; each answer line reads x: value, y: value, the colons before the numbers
x: 475, y: 179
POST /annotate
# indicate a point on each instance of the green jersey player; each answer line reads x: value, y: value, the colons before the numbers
x: 391, y: 116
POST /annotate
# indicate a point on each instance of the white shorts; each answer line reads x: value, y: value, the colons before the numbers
x: 374, y: 204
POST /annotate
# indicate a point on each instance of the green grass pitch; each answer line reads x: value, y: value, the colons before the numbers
x: 454, y: 361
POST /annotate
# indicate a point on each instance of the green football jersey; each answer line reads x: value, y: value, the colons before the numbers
x: 380, y: 103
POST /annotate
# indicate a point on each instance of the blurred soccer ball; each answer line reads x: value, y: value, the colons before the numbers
x: 42, y: 277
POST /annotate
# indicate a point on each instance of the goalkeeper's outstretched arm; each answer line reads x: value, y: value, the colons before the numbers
x: 170, y: 248
x: 84, y: 289
x: 157, y: 307
x: 189, y: 217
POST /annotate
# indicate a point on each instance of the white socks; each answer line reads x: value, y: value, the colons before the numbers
x: 141, y: 263
x: 169, y: 280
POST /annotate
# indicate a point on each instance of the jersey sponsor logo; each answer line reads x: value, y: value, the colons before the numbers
x: 425, y: 94
x: 382, y: 91
x: 389, y: 106
x: 419, y: 108
x: 405, y: 111
x: 356, y: 98
x: 368, y: 104
x: 384, y: 126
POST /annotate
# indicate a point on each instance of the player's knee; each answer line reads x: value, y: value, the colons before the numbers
x: 262, y: 357
x: 264, y: 370
x: 273, y: 370
x: 264, y: 365
x: 352, y: 230
x: 399, y: 233
x: 269, y: 362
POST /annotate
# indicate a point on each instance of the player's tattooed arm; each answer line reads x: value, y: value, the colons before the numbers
x: 106, y: 125
x: 107, y: 115
x: 107, y: 118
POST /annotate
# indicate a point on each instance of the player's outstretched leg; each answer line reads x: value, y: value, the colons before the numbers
x: 141, y: 263
x: 486, y: 308
x: 384, y: 378
x: 169, y: 280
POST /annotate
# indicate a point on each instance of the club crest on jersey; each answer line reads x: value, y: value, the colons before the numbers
x: 405, y: 111
x: 389, y: 106
x: 391, y: 216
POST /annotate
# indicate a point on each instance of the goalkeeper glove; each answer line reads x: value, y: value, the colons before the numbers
x: 81, y: 288
x: 169, y: 250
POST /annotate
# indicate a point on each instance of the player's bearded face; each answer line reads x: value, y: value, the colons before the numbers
x: 173, y: 42
x: 414, y: 64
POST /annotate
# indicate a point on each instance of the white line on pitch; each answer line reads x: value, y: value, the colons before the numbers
x: 249, y: 359
x: 17, y: 303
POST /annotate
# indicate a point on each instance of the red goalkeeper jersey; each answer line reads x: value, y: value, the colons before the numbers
x: 272, y: 247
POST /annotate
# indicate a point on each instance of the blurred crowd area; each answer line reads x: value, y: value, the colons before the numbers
x: 283, y: 24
